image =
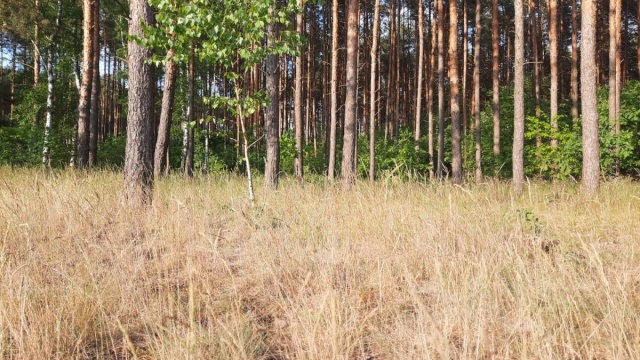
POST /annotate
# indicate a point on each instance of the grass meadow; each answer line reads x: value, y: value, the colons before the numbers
x: 387, y: 271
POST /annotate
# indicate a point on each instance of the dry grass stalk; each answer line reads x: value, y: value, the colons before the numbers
x: 386, y: 271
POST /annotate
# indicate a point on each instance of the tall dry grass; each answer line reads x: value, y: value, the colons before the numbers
x: 390, y: 271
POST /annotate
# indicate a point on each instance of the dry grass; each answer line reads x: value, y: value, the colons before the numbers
x: 395, y: 271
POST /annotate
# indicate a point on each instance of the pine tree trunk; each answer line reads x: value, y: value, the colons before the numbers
x: 432, y: 57
x: 536, y: 61
x: 590, y: 141
x: 84, y: 105
x: 618, y: 81
x: 138, y: 166
x: 509, y: 54
x: 440, y: 164
x: 638, y: 40
x: 456, y: 155
x: 553, y: 58
x: 308, y: 86
x: 518, y: 102
x: 574, y: 61
x: 350, y: 131
x: 95, y: 88
x: 465, y: 63
x: 613, y: 49
x: 495, y: 38
x: 297, y: 103
x: 372, y: 93
x: 420, y: 55
x: 476, y: 91
x: 396, y: 70
x: 271, y: 118
x: 334, y: 91
x: 391, y: 112
x: 166, y: 115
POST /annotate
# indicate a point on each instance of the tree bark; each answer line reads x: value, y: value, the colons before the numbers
x: 432, y: 56
x: 14, y: 55
x: 36, y: 59
x: 49, y: 114
x: 638, y: 41
x: 553, y: 58
x: 613, y: 48
x: 396, y: 71
x: 440, y: 164
x: 271, y: 118
x: 372, y: 93
x: 476, y: 91
x: 518, y: 102
x: 574, y: 60
x: 84, y: 105
x: 465, y: 65
x: 536, y: 60
x: 245, y: 147
x: 308, y: 126
x: 420, y: 56
x: 391, y: 112
x: 615, y: 84
x: 50, y: 87
x: 95, y: 88
x: 166, y: 115
x: 495, y: 38
x: 138, y: 166
x: 590, y: 138
x: 456, y: 155
x: 350, y: 131
x: 297, y: 103
x: 334, y: 91
x: 36, y: 53
x: 188, y: 125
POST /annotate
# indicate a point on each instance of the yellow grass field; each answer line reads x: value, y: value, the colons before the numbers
x: 390, y: 271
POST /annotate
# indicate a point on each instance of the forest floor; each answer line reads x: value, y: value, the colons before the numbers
x: 385, y: 271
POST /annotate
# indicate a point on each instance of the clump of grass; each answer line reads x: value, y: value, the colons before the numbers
x: 386, y: 271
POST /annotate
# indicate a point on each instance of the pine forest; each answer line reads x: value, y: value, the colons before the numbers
x: 277, y: 179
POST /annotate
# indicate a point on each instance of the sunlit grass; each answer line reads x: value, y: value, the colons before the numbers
x: 389, y: 271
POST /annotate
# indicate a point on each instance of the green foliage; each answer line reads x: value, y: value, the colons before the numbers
x: 496, y: 165
x: 22, y: 141
x: 564, y: 161
x: 623, y: 147
x: 397, y: 158
x: 225, y: 33
x: 220, y: 157
x: 529, y: 222
x: 287, y: 152
x: 22, y: 145
x: 111, y: 151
